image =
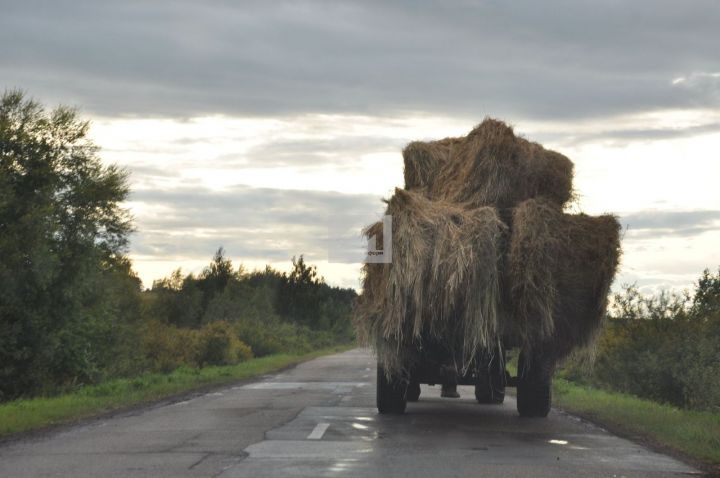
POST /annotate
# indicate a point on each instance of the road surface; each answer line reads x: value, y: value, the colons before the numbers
x: 319, y: 420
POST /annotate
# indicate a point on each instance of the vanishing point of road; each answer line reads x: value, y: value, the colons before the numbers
x: 319, y: 420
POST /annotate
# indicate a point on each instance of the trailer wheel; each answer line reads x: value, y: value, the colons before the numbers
x: 491, y: 379
x: 534, y: 388
x: 391, y: 394
x: 491, y: 390
x: 413, y: 391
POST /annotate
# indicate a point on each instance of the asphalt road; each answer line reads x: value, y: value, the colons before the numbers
x: 319, y: 420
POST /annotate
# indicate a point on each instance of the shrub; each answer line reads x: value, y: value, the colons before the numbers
x: 662, y: 347
x: 167, y: 347
x: 219, y: 344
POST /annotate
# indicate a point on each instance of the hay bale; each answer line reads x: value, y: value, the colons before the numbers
x: 559, y: 271
x: 488, y: 167
x: 423, y: 161
x: 443, y: 282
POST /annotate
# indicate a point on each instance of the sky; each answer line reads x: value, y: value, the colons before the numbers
x: 262, y: 126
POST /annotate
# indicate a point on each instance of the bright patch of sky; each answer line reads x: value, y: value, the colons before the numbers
x: 650, y: 168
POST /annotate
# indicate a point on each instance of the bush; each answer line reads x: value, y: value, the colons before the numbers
x: 167, y: 347
x: 219, y: 344
x: 275, y: 336
x: 662, y: 347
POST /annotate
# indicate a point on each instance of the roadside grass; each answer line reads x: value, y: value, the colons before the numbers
x: 693, y: 433
x: 33, y: 413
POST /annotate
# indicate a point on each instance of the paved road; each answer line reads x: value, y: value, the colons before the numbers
x: 319, y: 420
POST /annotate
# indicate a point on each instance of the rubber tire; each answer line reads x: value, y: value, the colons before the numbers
x: 534, y: 390
x: 491, y: 391
x: 413, y: 392
x: 490, y: 388
x: 391, y: 395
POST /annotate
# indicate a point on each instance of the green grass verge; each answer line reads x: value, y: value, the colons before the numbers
x: 693, y: 433
x: 28, y: 414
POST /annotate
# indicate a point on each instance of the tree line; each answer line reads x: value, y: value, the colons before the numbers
x: 72, y: 310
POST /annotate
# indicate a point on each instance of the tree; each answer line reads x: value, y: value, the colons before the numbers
x: 706, y: 302
x: 63, y: 236
x: 176, y: 300
x: 301, y: 294
x: 217, y: 275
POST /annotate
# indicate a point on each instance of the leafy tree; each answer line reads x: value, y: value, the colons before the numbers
x: 706, y: 302
x: 63, y: 235
x: 217, y: 276
x: 175, y: 300
x: 301, y: 295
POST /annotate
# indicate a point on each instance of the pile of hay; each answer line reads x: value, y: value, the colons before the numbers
x: 443, y: 282
x: 489, y: 167
x: 558, y: 275
x: 482, y: 249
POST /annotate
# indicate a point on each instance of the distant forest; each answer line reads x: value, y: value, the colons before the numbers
x: 72, y: 311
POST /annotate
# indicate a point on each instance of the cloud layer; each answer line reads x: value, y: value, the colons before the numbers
x: 254, y: 223
x: 249, y: 124
x: 671, y: 223
x: 549, y: 60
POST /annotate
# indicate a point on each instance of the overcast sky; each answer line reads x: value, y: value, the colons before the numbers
x: 255, y: 125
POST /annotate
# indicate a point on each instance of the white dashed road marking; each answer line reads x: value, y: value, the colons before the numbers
x: 318, y: 431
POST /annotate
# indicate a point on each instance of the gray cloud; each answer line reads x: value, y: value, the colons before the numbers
x: 655, y: 224
x: 317, y: 152
x: 703, y: 84
x: 253, y: 223
x: 619, y: 137
x: 562, y: 59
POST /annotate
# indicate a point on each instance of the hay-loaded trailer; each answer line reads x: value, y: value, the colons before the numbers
x: 484, y: 259
x: 546, y: 298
